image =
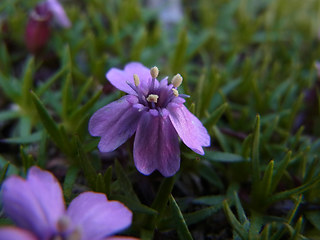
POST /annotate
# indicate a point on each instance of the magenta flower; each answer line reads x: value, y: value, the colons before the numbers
x: 36, y: 205
x: 38, y: 27
x: 155, y: 112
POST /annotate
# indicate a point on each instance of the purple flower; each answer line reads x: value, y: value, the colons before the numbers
x: 38, y: 27
x: 36, y: 205
x: 155, y: 112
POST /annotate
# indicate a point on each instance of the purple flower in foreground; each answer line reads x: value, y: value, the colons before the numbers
x: 155, y: 112
x: 37, y: 207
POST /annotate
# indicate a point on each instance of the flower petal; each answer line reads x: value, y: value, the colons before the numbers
x: 98, y: 217
x: 13, y: 233
x: 115, y: 123
x: 59, y: 13
x: 156, y: 145
x: 119, y: 78
x: 189, y: 128
x: 48, y: 192
x: 21, y: 205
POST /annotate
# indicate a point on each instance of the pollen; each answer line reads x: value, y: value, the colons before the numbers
x: 177, y: 80
x: 136, y: 80
x: 154, y: 72
x: 175, y: 92
x: 153, y: 98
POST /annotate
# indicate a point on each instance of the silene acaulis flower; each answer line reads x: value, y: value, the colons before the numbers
x: 37, y: 207
x: 38, y: 28
x: 155, y: 112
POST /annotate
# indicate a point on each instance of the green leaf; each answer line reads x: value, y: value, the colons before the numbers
x: 8, y: 115
x: 27, y: 82
x: 34, y: 137
x: 66, y: 96
x: 279, y: 171
x: 125, y: 182
x: 183, y: 231
x: 69, y: 181
x: 267, y: 181
x: 215, y: 116
x: 200, y: 215
x: 134, y: 205
x: 217, y: 156
x: 107, y: 180
x: 44, y: 87
x: 255, y: 161
x: 84, y: 163
x: 49, y: 123
x: 236, y: 225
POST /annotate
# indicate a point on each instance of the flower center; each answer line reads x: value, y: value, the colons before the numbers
x: 155, y: 95
x: 65, y: 232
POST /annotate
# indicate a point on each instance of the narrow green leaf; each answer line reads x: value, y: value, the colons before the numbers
x: 125, y: 182
x: 297, y: 230
x: 66, y: 96
x: 84, y: 163
x: 27, y: 82
x: 34, y: 137
x: 217, y: 156
x: 100, y: 184
x: 183, y: 231
x: 44, y: 87
x: 83, y: 111
x: 215, y: 116
x: 8, y: 115
x: 240, y: 211
x: 279, y: 171
x: 237, y: 226
x: 107, y: 180
x: 48, y: 122
x: 134, y: 205
x: 69, y: 181
x: 267, y: 180
x: 255, y: 162
x: 83, y: 91
x: 210, y: 175
x: 179, y: 55
x: 200, y: 215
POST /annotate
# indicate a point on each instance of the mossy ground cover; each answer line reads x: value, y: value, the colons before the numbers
x: 249, y: 67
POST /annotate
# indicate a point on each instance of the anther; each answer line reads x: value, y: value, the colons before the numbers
x: 175, y: 92
x: 177, y: 80
x: 153, y: 98
x: 154, y: 72
x: 136, y: 80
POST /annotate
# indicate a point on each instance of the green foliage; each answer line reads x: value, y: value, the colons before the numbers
x: 249, y: 69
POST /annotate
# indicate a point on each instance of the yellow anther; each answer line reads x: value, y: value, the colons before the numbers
x: 175, y: 92
x: 177, y: 80
x: 154, y: 72
x: 136, y: 80
x: 153, y: 98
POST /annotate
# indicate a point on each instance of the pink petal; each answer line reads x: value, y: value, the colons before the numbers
x: 143, y: 73
x: 48, y: 192
x: 156, y: 145
x: 115, y: 123
x: 98, y: 217
x: 189, y: 128
x: 22, y: 206
x: 59, y: 13
x: 119, y: 78
x: 13, y: 233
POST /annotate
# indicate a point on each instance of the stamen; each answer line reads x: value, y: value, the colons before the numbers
x: 75, y: 235
x: 153, y: 98
x: 136, y: 80
x: 177, y: 80
x: 175, y: 92
x: 154, y: 72
x: 63, y: 224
